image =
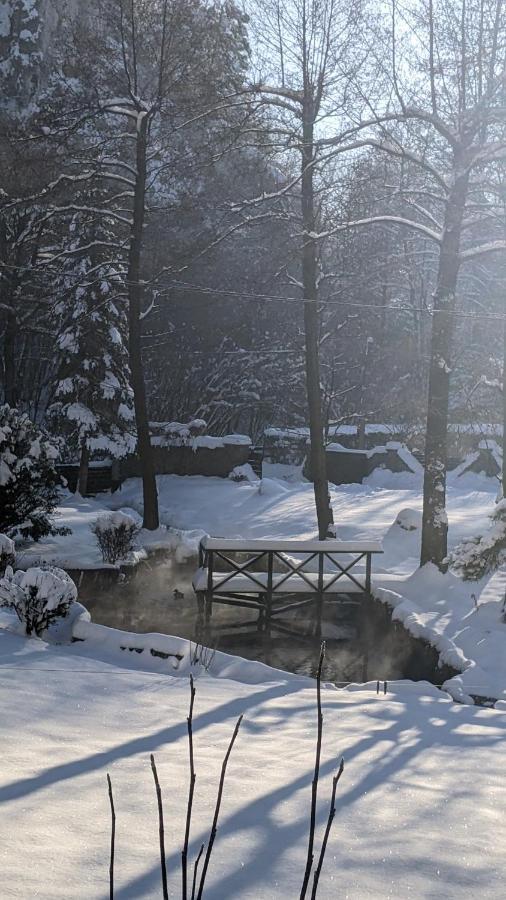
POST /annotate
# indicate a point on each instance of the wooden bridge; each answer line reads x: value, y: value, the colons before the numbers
x: 275, y: 577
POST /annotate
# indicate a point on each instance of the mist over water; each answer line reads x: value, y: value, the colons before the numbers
x: 159, y: 597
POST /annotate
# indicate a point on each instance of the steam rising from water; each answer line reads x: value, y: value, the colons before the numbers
x: 159, y: 598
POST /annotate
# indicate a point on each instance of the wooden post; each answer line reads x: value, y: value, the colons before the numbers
x: 82, y: 477
x: 209, y: 592
x: 268, y: 598
x: 319, y: 598
x: 368, y: 560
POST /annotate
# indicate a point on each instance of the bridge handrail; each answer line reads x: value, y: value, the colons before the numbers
x: 297, y: 546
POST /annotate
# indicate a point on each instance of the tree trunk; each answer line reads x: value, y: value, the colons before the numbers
x: 361, y: 428
x: 361, y: 438
x: 434, y: 520
x: 311, y: 328
x: 7, y: 298
x: 144, y: 449
x: 11, y: 393
x: 504, y: 413
x: 84, y: 462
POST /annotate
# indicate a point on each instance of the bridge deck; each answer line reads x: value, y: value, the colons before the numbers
x: 262, y: 575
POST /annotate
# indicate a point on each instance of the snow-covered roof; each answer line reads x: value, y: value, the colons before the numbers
x: 334, y: 430
x: 299, y: 432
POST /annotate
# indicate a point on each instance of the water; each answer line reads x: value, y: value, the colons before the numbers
x: 158, y: 597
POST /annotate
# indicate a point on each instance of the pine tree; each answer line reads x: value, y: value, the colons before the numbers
x: 94, y: 402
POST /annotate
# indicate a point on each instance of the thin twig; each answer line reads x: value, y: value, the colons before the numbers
x: 314, y: 786
x: 161, y: 829
x: 184, y: 854
x: 113, y: 839
x: 195, y: 870
x: 214, y: 826
x: 332, y: 812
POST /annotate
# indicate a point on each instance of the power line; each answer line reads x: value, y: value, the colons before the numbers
x: 273, y: 298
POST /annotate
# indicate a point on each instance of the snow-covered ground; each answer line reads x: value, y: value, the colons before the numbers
x: 420, y: 805
x: 276, y: 507
x: 463, y: 619
x: 421, y: 802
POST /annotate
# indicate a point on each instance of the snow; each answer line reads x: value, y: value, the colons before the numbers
x: 402, y: 451
x: 495, y: 450
x: 464, y: 620
x: 5, y: 473
x: 335, y: 447
x: 52, y: 586
x: 68, y: 341
x: 5, y: 18
x: 406, y: 456
x: 182, y: 436
x: 211, y: 543
x: 303, y: 431
x: 6, y: 546
x: 243, y: 473
x: 281, y: 584
x: 408, y: 519
x: 118, y: 443
x: 420, y: 804
x: 274, y: 508
x: 441, y: 609
x: 126, y: 412
x: 410, y: 821
x: 79, y: 413
x: 79, y: 550
x: 115, y: 335
x: 116, y: 519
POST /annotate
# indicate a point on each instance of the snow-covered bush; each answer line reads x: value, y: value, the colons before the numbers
x: 7, y: 553
x: 479, y: 555
x: 115, y: 533
x: 243, y: 473
x: 28, y: 478
x: 38, y: 596
x: 409, y: 519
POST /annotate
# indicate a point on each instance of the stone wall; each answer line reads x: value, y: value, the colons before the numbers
x: 188, y: 460
x: 352, y: 466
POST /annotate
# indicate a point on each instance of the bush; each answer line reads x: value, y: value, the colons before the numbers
x: 7, y: 554
x: 28, y: 478
x: 38, y: 596
x: 243, y: 473
x: 115, y: 533
x: 477, y: 556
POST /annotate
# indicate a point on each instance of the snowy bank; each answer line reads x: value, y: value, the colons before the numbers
x: 410, y: 821
x: 463, y: 621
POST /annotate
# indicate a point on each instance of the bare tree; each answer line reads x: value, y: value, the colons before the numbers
x: 305, y: 59
x: 161, y: 52
x: 444, y: 124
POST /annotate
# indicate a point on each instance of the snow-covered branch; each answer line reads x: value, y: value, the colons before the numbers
x: 482, y: 249
x: 380, y: 220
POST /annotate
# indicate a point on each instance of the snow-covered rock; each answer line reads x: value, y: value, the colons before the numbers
x: 409, y: 519
x: 243, y: 473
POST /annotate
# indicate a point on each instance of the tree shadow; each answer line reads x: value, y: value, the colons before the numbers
x: 409, y: 733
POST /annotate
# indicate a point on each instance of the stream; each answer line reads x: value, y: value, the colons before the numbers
x: 158, y: 597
